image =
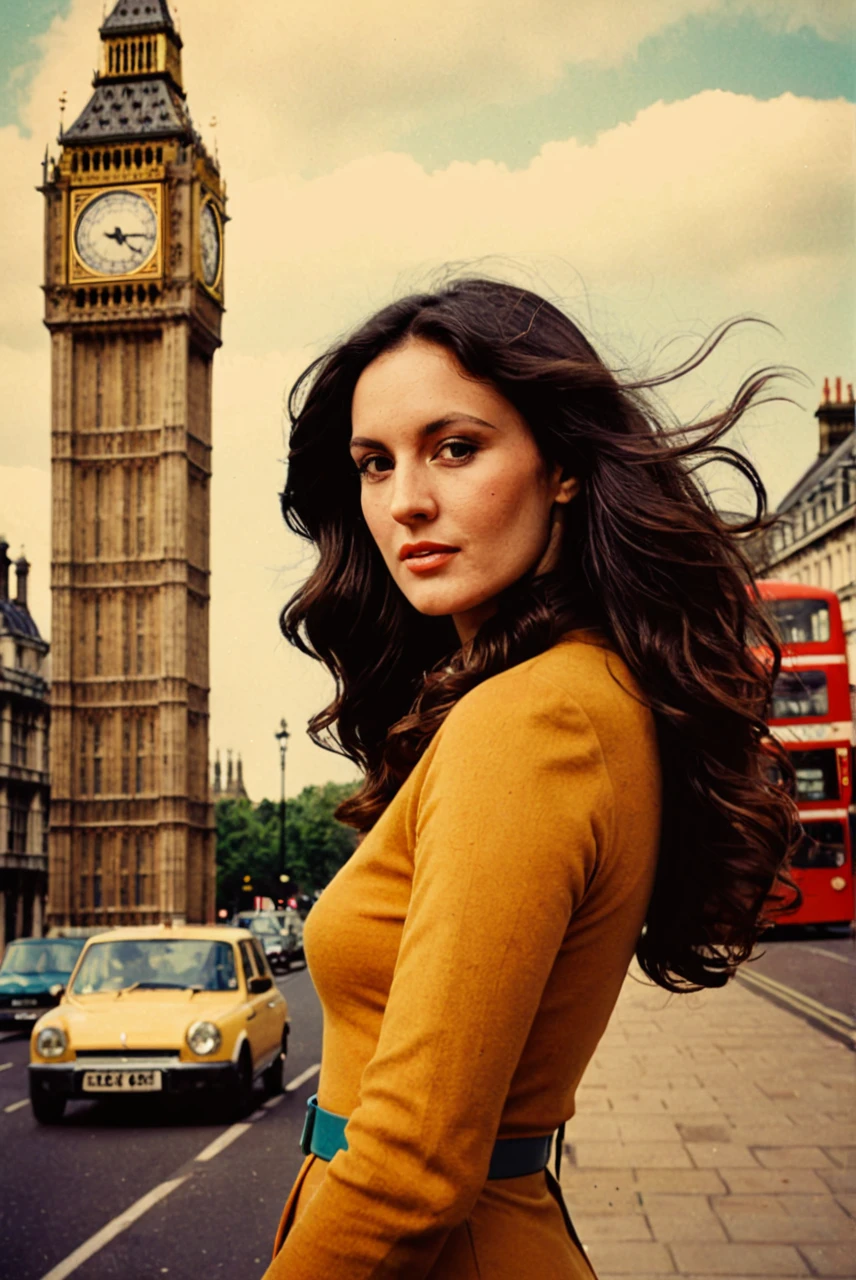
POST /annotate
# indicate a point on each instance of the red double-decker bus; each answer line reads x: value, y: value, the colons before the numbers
x: 811, y: 716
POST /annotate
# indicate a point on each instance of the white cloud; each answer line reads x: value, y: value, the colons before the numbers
x: 692, y: 212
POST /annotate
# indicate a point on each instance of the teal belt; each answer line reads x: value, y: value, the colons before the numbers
x: 324, y: 1134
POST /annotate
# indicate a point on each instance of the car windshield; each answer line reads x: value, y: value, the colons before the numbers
x: 155, y: 963
x: 32, y: 958
x: 265, y: 926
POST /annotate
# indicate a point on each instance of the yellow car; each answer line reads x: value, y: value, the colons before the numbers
x: 160, y: 1009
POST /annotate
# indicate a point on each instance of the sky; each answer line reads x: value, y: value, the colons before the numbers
x: 655, y: 169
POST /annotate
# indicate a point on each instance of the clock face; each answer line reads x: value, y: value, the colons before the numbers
x: 209, y: 243
x: 117, y: 233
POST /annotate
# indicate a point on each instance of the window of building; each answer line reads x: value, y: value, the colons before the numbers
x: 99, y: 638
x: 97, y: 759
x: 126, y: 755
x: 141, y: 633
x: 141, y: 511
x: 20, y: 741
x: 97, y: 869
x: 125, y: 870
x: 82, y: 759
x: 126, y: 635
x: 126, y: 511
x: 84, y: 871
x: 143, y: 869
x: 19, y: 812
x: 96, y: 524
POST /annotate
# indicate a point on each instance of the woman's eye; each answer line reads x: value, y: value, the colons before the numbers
x: 456, y: 450
x: 374, y: 465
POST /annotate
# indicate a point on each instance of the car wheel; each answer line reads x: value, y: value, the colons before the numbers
x: 47, y: 1107
x: 241, y: 1092
x: 273, y: 1079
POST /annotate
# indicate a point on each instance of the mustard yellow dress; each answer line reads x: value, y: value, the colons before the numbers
x: 467, y: 959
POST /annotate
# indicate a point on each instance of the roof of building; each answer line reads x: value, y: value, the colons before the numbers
x: 17, y: 621
x: 119, y: 109
x: 824, y: 465
x: 137, y: 15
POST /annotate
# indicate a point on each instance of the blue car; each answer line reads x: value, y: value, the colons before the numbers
x: 33, y: 972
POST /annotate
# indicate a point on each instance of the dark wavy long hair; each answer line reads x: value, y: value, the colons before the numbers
x: 645, y: 556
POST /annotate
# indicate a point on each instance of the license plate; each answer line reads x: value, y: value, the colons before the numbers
x: 121, y: 1081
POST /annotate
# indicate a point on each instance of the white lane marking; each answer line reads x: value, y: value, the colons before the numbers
x: 225, y: 1140
x: 830, y: 955
x: 97, y: 1242
x: 302, y: 1078
x: 4, y: 1066
x: 16, y: 1106
x: 258, y: 1115
x: 274, y: 1101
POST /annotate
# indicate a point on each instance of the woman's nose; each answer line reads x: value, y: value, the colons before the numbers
x: 412, y: 495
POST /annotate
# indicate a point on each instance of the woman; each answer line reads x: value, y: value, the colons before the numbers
x: 539, y: 630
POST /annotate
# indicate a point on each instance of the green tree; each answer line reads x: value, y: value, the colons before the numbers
x: 248, y: 845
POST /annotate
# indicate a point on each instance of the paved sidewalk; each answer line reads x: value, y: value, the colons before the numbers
x: 715, y: 1137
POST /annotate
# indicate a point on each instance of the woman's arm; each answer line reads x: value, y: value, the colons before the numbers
x: 514, y: 809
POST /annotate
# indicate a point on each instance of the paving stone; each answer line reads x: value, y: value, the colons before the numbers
x: 739, y: 1259
x: 758, y: 1181
x: 838, y: 1179
x: 792, y: 1157
x: 848, y: 1203
x: 685, y: 1182
x: 831, y: 1260
x: 633, y: 1259
x: 721, y: 1155
x: 617, y: 1155
x: 613, y: 1226
x: 647, y: 1129
x: 843, y: 1156
x: 676, y: 1217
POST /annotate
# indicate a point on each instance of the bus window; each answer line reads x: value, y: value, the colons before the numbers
x: 817, y: 774
x: 822, y: 845
x: 800, y: 693
x: 801, y: 621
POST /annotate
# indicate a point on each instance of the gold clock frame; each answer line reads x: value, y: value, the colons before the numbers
x: 152, y: 269
x: 216, y: 287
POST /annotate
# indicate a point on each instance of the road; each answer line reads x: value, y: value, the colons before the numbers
x: 214, y: 1192
x: 818, y: 965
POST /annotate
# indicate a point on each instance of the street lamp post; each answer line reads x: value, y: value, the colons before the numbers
x: 282, y: 739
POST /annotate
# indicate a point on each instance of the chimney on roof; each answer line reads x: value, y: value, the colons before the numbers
x: 218, y: 784
x: 835, y: 416
x: 22, y: 572
x: 5, y: 562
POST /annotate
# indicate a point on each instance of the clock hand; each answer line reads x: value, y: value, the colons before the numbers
x: 123, y: 237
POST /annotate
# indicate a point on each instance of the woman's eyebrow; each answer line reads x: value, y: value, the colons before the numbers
x: 365, y: 442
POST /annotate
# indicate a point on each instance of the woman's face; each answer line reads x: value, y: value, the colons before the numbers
x: 455, y: 492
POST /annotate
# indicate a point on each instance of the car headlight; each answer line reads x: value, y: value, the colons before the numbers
x: 204, y: 1038
x: 51, y: 1042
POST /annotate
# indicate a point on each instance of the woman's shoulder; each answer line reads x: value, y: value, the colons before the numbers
x: 583, y: 670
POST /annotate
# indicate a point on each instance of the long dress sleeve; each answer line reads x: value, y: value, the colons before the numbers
x: 511, y: 811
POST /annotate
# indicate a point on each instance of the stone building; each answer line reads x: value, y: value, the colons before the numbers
x: 134, y: 217
x: 24, y: 778
x: 814, y: 538
x: 233, y: 788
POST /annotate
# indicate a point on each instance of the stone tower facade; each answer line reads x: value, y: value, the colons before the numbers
x: 135, y: 210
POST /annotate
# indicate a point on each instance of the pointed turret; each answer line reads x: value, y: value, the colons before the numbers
x: 138, y: 90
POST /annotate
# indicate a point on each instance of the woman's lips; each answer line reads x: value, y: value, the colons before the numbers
x: 423, y: 557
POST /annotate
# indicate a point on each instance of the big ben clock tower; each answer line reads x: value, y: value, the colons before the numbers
x: 133, y: 301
